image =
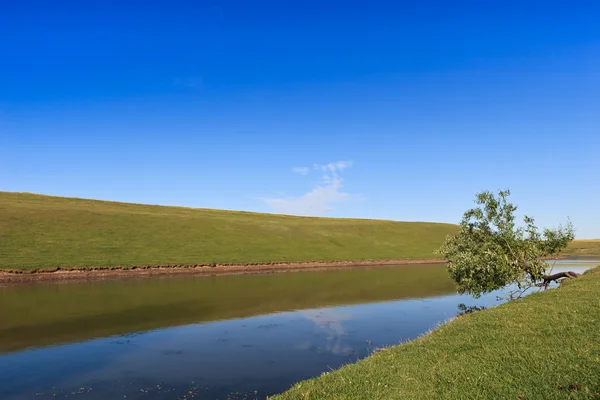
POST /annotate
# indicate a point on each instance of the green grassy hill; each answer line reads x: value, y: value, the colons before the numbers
x: 45, y: 232
x: 584, y: 248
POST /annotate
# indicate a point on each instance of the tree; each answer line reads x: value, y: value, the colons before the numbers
x: 490, y: 251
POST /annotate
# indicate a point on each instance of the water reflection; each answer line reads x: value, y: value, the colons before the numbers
x: 329, y: 323
x: 68, y: 313
x: 248, y: 357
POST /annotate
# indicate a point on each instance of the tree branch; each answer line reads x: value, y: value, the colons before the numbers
x: 557, y: 276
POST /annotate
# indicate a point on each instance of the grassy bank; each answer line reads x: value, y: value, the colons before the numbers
x: 583, y: 248
x: 545, y: 346
x: 47, y: 232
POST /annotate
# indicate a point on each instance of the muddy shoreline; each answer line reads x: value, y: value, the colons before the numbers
x: 89, y: 274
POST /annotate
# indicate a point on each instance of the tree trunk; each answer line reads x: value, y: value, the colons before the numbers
x: 557, y: 276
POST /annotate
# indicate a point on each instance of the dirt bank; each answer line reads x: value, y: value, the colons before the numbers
x: 86, y: 274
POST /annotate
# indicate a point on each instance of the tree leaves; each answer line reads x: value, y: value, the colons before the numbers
x: 491, y: 251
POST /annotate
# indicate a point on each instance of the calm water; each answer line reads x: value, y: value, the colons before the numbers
x: 229, y: 337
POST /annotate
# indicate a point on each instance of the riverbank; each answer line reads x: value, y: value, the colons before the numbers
x: 544, y: 346
x: 583, y: 248
x: 85, y: 274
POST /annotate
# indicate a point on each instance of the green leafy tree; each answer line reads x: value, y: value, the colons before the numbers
x: 491, y: 251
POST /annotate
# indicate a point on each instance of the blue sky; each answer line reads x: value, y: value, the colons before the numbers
x: 388, y: 110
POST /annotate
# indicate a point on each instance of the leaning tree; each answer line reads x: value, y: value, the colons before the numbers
x: 492, y: 251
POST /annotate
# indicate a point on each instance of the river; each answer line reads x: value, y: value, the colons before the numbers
x: 226, y: 337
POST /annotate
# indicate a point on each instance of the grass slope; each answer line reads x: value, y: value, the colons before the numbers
x: 45, y: 232
x: 583, y: 248
x: 545, y: 346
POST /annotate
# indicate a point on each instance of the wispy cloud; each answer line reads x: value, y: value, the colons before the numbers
x: 300, y: 170
x: 320, y: 199
x: 334, y: 167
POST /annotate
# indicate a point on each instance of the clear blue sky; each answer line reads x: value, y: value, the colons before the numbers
x: 393, y: 110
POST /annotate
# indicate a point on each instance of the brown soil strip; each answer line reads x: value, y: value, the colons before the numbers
x: 87, y: 274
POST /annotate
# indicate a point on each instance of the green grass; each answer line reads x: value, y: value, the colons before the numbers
x: 584, y: 248
x: 46, y: 232
x: 545, y: 346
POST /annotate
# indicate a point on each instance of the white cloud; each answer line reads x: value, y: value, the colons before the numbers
x: 334, y: 167
x: 300, y: 170
x: 320, y: 199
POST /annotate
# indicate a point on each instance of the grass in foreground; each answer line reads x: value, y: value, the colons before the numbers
x: 545, y: 346
x: 47, y: 232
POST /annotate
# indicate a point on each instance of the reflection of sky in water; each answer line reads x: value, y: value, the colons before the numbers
x: 329, y: 321
x: 264, y: 354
